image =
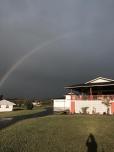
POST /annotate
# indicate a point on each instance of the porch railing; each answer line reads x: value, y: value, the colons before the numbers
x: 95, y: 97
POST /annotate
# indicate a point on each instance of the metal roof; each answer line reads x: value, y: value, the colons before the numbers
x: 102, y: 79
x: 86, y: 85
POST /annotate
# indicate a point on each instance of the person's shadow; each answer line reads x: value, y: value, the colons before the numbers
x: 91, y: 143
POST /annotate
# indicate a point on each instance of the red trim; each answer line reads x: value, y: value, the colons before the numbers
x: 72, y: 111
x: 72, y: 108
x: 112, y: 107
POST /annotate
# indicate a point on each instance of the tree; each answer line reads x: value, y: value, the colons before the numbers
x: 1, y: 97
x: 29, y: 105
x: 107, y: 103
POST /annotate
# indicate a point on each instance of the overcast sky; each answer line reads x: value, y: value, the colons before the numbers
x: 81, y: 48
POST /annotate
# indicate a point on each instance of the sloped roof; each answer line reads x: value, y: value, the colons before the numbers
x: 6, y: 102
x: 100, y: 81
x: 90, y: 85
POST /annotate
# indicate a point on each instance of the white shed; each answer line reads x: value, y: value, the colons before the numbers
x: 6, y: 105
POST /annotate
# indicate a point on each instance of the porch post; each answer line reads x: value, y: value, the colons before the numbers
x: 72, y: 103
x: 91, y: 94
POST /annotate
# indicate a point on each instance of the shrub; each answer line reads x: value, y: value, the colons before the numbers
x: 29, y: 105
x: 65, y: 112
x: 84, y: 110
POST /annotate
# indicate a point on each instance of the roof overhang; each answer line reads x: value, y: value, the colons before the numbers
x: 98, y: 82
x: 87, y: 86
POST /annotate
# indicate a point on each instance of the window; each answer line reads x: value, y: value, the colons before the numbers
x: 7, y: 106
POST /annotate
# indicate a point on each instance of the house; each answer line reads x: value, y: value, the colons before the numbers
x: 88, y: 96
x: 6, y: 105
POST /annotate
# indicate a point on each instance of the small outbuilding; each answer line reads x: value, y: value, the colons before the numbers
x: 6, y: 105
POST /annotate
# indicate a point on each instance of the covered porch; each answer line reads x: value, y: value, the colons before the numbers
x: 97, y: 89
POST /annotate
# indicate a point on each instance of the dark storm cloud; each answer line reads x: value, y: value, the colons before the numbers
x: 77, y: 58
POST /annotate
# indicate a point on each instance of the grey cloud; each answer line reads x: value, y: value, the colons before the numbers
x: 81, y: 56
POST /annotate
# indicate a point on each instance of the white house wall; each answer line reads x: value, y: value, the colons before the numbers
x: 61, y: 104
x: 97, y: 105
x: 4, y: 109
x: 94, y: 104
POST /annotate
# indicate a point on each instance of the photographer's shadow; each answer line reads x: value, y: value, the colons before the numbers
x: 91, y: 143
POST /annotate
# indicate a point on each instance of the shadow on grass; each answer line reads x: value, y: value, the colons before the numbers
x: 5, y: 122
x: 91, y: 143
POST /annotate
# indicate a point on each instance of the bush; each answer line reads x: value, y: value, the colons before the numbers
x: 84, y: 110
x: 29, y: 105
x: 104, y: 113
x: 65, y: 112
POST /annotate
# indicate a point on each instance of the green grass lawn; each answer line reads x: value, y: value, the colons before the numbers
x: 58, y: 133
x: 21, y: 112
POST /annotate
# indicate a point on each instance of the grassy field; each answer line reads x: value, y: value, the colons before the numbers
x: 58, y: 133
x: 21, y: 112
